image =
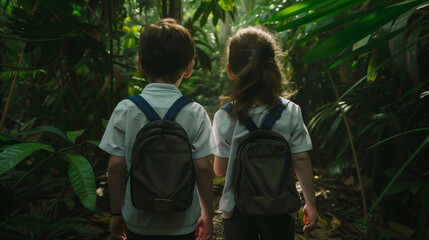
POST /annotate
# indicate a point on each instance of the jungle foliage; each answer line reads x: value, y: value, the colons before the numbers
x: 360, y: 67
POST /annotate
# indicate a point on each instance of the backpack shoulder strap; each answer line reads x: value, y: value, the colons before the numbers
x: 176, y: 107
x: 274, y: 114
x: 144, y: 106
x: 248, y: 123
x: 228, y: 107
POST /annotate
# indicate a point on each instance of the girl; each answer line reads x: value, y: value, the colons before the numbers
x: 253, y: 65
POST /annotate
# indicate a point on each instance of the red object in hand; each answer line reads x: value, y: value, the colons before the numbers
x: 306, y: 219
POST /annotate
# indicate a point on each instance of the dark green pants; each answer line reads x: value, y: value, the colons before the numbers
x: 253, y: 227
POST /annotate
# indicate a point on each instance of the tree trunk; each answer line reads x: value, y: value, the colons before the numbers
x: 225, y: 29
x: 175, y: 10
x: 172, y: 9
x: 164, y: 6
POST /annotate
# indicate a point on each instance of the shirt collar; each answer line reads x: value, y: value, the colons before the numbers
x: 164, y: 87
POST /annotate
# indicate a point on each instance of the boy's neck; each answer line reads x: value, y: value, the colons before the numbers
x: 177, y: 83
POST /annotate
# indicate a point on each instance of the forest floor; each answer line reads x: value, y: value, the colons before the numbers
x: 338, y: 205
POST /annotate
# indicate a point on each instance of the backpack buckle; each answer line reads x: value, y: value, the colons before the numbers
x: 162, y: 205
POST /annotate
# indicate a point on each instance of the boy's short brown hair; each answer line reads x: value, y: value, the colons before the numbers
x: 165, y: 50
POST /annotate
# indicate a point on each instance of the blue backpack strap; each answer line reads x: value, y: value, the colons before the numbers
x: 228, y: 107
x: 286, y: 158
x: 248, y: 123
x: 145, y: 107
x: 175, y: 108
x: 274, y: 115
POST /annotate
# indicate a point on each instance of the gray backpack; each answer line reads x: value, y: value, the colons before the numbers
x: 162, y: 174
x: 264, y: 182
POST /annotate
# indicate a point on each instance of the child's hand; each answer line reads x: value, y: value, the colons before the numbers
x: 310, y: 218
x: 204, y: 228
x: 117, y: 227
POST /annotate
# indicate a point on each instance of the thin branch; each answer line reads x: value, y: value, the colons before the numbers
x: 352, y: 145
x: 9, y: 98
x: 125, y: 65
x: 46, y: 159
x: 95, y: 15
x: 31, y: 170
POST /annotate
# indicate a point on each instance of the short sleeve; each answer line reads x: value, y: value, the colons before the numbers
x: 222, y: 134
x: 300, y: 140
x: 203, y: 143
x: 113, y: 140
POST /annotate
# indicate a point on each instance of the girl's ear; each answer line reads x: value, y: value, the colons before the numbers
x: 231, y: 75
x: 139, y: 66
x: 188, y: 71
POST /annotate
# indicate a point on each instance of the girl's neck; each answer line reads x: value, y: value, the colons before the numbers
x: 257, y: 103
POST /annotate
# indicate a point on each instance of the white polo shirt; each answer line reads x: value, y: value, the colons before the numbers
x: 228, y: 134
x: 124, y: 124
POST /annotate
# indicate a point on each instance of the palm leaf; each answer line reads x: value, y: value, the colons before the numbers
x: 298, y: 8
x: 353, y: 33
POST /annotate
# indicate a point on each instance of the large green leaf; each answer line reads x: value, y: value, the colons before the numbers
x: 82, y: 180
x: 14, y: 154
x: 412, y: 56
x: 376, y: 43
x: 355, y: 32
x: 388, y: 60
x: 72, y: 135
x: 298, y: 8
x: 202, y: 8
x: 333, y: 9
x: 344, y: 20
x: 378, y: 54
x: 227, y: 5
x: 48, y: 129
x: 335, y: 24
x: 396, y: 43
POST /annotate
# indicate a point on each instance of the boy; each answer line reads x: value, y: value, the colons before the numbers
x: 166, y: 55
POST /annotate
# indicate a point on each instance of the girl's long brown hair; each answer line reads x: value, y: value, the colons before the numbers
x: 252, y: 55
